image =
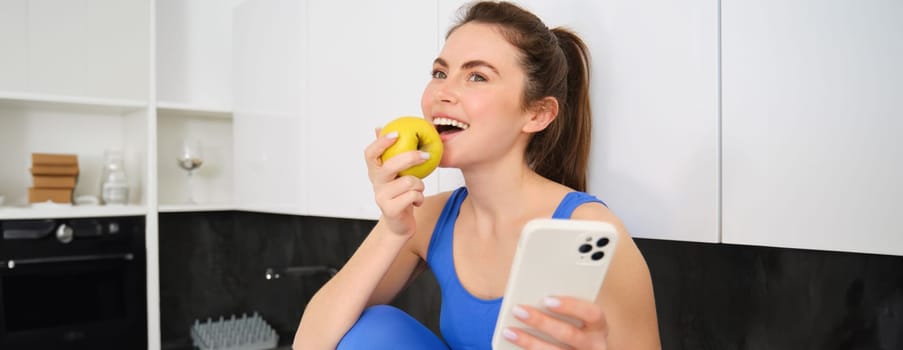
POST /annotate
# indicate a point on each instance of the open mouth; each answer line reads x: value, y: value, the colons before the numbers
x: 446, y: 125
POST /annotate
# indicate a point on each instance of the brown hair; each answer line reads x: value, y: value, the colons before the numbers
x: 556, y: 62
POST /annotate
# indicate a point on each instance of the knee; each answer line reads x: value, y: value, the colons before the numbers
x: 382, y: 313
x: 378, y: 324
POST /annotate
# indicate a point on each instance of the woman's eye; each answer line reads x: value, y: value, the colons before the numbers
x: 438, y: 74
x: 476, y: 77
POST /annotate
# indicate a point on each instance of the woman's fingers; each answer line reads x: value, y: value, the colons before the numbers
x: 376, y: 148
x: 401, y: 204
x: 395, y: 195
x: 398, y: 187
x: 528, y: 341
x: 589, y: 332
x: 590, y: 313
x: 562, y: 331
x: 389, y: 169
x: 382, y: 172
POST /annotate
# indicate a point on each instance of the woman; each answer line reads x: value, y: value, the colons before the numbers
x: 515, y: 94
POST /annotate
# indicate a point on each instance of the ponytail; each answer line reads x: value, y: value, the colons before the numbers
x: 561, y: 151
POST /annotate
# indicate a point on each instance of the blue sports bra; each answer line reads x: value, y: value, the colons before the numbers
x: 467, y: 322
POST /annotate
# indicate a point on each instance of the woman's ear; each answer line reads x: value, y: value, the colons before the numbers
x: 542, y: 114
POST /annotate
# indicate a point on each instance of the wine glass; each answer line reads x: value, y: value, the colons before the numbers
x: 190, y: 159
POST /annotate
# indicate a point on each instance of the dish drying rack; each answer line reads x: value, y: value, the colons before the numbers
x: 245, y: 333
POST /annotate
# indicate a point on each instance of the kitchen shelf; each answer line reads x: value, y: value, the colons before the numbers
x: 86, y: 103
x: 75, y: 211
x: 193, y: 111
x: 187, y: 208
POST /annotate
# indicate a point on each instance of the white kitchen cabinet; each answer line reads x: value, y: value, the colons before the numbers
x: 812, y: 99
x: 269, y: 44
x: 14, y: 41
x: 74, y: 51
x: 194, y: 53
x: 194, y: 101
x: 654, y: 157
x: 654, y: 88
x: 73, y: 79
x: 366, y: 67
x: 89, y: 49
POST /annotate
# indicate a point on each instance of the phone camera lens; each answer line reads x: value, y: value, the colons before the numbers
x: 598, y: 256
x: 602, y: 242
x: 585, y: 248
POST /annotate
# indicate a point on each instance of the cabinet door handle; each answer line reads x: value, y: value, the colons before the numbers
x: 11, y: 264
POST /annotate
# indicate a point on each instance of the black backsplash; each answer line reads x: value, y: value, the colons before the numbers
x: 719, y: 296
x: 708, y: 296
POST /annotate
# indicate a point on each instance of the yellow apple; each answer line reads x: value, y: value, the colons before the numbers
x: 414, y: 133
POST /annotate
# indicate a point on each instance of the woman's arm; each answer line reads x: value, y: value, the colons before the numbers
x: 627, y: 297
x: 379, y: 269
x: 384, y: 262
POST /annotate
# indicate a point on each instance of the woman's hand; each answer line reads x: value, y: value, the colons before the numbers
x: 396, y: 196
x: 593, y: 335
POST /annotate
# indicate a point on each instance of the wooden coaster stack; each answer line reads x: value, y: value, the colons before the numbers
x: 54, y: 177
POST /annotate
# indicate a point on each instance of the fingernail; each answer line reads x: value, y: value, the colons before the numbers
x: 509, y: 334
x: 424, y: 155
x: 551, y: 301
x: 392, y: 135
x: 519, y: 312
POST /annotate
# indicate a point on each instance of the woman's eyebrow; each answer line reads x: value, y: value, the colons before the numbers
x: 468, y: 65
x: 478, y: 63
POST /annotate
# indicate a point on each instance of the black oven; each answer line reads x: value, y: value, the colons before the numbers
x: 73, y: 284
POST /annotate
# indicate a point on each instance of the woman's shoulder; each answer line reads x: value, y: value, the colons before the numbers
x: 433, y: 204
x: 426, y: 216
x: 594, y: 209
x: 556, y: 190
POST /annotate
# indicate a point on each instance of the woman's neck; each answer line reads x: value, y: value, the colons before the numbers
x: 500, y: 192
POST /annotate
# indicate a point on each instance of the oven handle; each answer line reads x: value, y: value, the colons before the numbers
x: 11, y: 264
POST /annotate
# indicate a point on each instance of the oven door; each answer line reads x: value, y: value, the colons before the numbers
x: 73, y: 302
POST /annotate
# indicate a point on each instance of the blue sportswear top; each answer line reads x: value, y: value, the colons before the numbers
x: 466, y: 321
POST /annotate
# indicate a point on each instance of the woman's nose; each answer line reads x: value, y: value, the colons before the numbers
x: 445, y: 93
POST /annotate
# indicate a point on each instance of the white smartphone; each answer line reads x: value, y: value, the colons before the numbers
x: 555, y: 257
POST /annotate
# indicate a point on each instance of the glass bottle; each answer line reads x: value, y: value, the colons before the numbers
x: 114, y: 185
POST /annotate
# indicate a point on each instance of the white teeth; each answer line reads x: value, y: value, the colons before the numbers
x: 446, y: 121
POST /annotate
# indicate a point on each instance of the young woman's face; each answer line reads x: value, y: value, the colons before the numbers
x: 477, y: 87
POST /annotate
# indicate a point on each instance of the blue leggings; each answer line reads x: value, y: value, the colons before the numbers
x: 387, y: 327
